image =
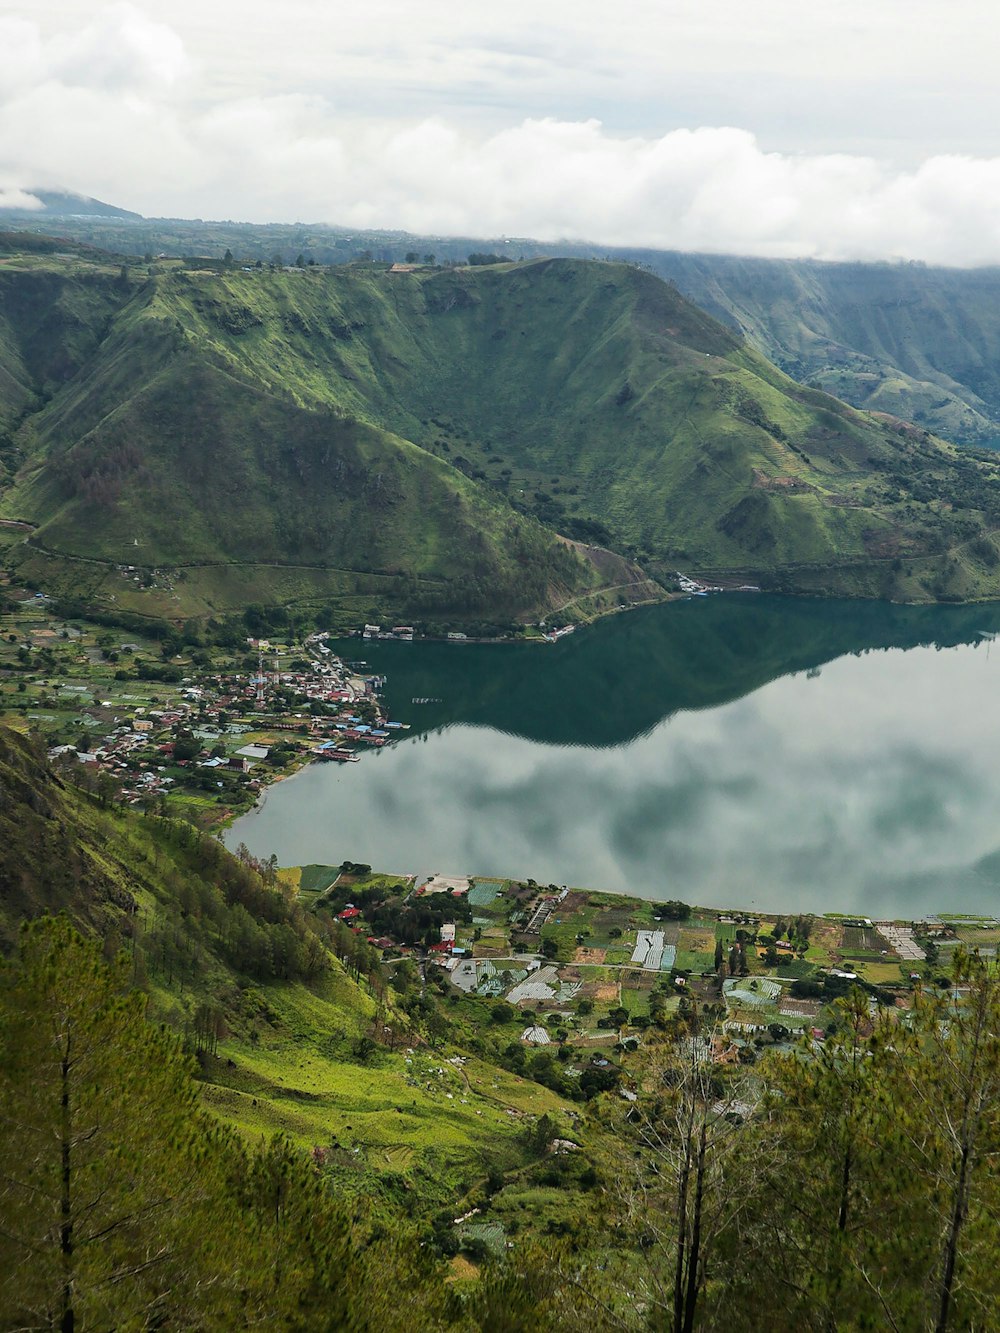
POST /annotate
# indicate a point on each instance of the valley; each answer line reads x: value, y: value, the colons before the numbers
x: 439, y: 1042
x: 499, y: 682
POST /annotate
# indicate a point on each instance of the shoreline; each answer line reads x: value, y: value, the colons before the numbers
x: 740, y: 915
x: 342, y: 820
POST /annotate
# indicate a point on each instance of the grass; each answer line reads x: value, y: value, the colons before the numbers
x: 796, y: 968
x: 690, y: 961
x: 398, y: 1109
x: 636, y: 1000
x: 317, y: 879
x: 884, y: 973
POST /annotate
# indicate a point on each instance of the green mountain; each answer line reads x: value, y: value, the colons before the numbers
x: 161, y: 449
x: 412, y: 442
x: 911, y: 340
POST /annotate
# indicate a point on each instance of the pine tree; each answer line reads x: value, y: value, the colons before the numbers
x: 837, y: 1148
x: 106, y: 1166
x: 948, y: 1082
x: 689, y: 1181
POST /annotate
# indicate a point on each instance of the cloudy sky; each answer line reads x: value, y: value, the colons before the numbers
x: 852, y: 129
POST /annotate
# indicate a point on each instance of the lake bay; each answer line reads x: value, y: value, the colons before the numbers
x: 781, y: 754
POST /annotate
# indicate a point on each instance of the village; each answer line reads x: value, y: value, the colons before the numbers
x: 197, y: 733
x: 582, y: 975
x: 201, y: 732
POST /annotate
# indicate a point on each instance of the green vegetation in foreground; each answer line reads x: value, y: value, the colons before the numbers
x: 411, y: 441
x: 295, y: 1031
x: 125, y: 1204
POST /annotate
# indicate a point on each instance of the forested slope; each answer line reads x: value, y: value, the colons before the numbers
x: 915, y: 341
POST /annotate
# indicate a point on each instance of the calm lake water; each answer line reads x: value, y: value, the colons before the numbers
x: 756, y: 751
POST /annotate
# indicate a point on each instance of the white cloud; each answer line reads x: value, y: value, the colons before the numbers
x: 126, y: 108
x: 13, y: 197
x: 121, y: 50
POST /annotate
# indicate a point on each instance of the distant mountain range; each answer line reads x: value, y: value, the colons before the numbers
x: 921, y: 343
x: 423, y: 442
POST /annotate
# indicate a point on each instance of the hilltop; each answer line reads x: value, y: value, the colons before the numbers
x: 69, y: 206
x: 910, y: 339
x: 425, y: 442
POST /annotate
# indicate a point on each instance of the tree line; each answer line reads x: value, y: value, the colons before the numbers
x: 847, y: 1185
x: 850, y: 1184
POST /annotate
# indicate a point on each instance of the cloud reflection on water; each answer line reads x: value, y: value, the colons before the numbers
x: 872, y: 787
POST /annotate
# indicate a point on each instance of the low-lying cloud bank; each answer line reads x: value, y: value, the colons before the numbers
x: 118, y: 110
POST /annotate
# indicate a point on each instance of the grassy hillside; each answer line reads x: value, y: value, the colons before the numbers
x: 53, y: 315
x: 321, y: 1067
x: 433, y: 430
x: 52, y: 852
x: 160, y: 451
x: 914, y: 341
x: 282, y: 1027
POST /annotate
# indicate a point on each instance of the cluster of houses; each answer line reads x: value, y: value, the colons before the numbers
x: 351, y: 916
x: 403, y: 632
x: 139, y: 750
x: 129, y: 752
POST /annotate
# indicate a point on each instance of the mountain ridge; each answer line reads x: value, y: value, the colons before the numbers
x: 443, y: 430
x: 909, y: 338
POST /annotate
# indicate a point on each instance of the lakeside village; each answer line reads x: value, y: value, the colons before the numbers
x: 576, y: 977
x: 199, y: 733
x: 192, y: 728
x: 193, y: 734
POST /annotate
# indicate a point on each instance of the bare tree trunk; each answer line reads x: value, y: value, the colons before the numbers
x: 970, y: 1114
x: 691, y: 1296
x: 68, y: 1318
x: 951, y: 1245
x: 682, y: 1192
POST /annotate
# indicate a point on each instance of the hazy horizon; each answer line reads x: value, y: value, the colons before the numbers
x: 860, y: 132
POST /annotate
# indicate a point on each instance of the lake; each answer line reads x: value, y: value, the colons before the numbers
x: 782, y: 754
